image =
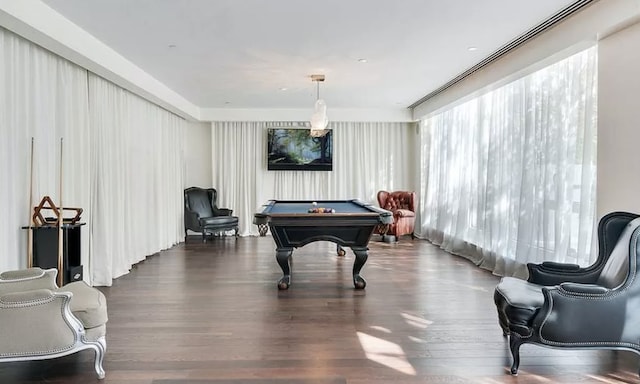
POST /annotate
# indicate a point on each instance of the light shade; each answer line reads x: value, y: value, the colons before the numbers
x: 319, y: 120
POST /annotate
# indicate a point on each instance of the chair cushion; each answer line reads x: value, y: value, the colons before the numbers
x: 88, y: 304
x: 219, y: 221
x: 518, y: 300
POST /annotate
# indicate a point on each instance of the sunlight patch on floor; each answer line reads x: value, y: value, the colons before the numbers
x: 417, y: 340
x: 386, y: 353
x: 614, y: 379
x: 416, y: 321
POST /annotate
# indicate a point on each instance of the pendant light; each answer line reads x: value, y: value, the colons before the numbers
x: 319, y: 120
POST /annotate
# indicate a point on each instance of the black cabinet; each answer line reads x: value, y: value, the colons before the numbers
x: 45, y: 250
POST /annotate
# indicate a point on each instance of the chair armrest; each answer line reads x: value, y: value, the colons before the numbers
x: 403, y: 213
x: 583, y: 289
x: 191, y: 220
x: 574, y: 314
x: 224, y: 212
x: 552, y: 273
x: 552, y: 265
x: 190, y: 215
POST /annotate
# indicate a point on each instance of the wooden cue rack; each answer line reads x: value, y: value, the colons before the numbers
x: 49, y: 227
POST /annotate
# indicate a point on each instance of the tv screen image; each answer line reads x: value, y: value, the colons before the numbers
x: 294, y: 149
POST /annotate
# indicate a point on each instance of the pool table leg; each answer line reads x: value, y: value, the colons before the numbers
x: 361, y: 257
x: 282, y: 256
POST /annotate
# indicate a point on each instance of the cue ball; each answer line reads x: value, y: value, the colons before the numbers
x: 314, y: 203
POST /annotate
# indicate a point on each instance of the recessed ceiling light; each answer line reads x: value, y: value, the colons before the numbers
x: 472, y: 48
x: 362, y: 60
x: 284, y: 88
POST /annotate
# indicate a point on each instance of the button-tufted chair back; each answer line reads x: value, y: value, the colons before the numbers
x: 396, y: 200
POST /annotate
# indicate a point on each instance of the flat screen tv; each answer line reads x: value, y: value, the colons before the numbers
x: 294, y: 149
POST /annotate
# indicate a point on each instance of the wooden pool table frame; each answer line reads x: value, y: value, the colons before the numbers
x: 347, y: 229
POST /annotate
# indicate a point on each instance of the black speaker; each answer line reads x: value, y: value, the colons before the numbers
x: 75, y: 274
x: 45, y: 250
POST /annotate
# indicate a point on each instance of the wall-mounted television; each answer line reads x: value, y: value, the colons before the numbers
x: 294, y: 149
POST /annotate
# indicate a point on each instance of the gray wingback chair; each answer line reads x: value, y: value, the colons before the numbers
x: 39, y: 320
x: 566, y: 306
x: 201, y: 213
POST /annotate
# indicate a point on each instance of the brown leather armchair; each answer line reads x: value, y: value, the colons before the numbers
x: 201, y: 213
x: 403, y: 206
x: 568, y: 306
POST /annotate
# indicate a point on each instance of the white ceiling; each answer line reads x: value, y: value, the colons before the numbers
x: 242, y: 53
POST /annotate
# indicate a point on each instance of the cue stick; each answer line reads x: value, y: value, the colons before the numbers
x: 30, y: 220
x: 60, y: 222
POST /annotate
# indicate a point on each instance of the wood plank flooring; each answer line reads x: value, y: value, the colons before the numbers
x: 210, y: 313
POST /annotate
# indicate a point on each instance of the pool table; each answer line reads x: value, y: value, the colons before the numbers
x: 295, y: 223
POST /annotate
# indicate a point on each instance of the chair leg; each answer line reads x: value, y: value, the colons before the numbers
x: 100, y: 347
x: 514, y: 344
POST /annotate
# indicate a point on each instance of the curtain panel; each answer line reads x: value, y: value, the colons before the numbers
x: 509, y: 177
x: 45, y: 99
x: 367, y: 157
x: 121, y: 158
x: 136, y: 188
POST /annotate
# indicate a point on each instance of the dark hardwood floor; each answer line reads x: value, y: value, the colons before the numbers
x: 211, y: 314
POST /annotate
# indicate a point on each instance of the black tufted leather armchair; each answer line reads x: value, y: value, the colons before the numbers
x: 566, y: 306
x: 201, y: 213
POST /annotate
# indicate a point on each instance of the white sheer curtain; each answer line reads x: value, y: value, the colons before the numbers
x: 509, y: 177
x: 122, y: 160
x: 367, y: 157
x: 44, y: 98
x: 137, y: 180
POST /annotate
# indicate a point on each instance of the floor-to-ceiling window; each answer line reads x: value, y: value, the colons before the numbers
x: 509, y: 176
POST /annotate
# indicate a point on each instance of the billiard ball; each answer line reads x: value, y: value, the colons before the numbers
x: 314, y: 203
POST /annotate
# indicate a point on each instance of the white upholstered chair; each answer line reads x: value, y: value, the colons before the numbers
x: 39, y: 320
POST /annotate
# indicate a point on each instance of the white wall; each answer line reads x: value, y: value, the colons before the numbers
x: 336, y: 114
x: 197, y: 157
x: 619, y: 122
x: 573, y: 34
x: 38, y: 23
